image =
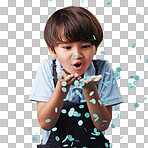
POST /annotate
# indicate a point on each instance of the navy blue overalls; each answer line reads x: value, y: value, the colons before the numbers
x: 69, y: 133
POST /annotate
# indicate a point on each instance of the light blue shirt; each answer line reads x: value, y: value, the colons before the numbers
x: 43, y: 86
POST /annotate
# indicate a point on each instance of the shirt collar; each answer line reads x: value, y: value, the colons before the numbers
x: 89, y: 72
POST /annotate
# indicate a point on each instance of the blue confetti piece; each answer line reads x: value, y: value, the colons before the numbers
x: 97, y: 79
x: 146, y: 60
x: 133, y: 45
x: 29, y: 129
x: 54, y: 129
x: 78, y: 93
x: 88, y: 78
x: 70, y: 138
x: 35, y: 138
x: 115, y: 120
x: 96, y: 118
x: 112, y: 126
x: 102, y: 52
x: 56, y: 109
x: 93, y: 101
x: 145, y: 98
x: 57, y: 138
x: 100, y: 102
x: 71, y: 144
x: 106, y: 144
x: 136, y: 105
x: 118, y: 69
x: 94, y: 37
x: 82, y: 1
x: 64, y: 83
x: 131, y: 76
x: 71, y: 112
x: 116, y: 74
x: 108, y: 3
x: 135, y: 82
x: 74, y: 56
x: 80, y: 122
x: 140, y: 57
x: 95, y: 130
x: 51, y: 77
x: 107, y: 82
x: 130, y: 85
x: 76, y: 83
x: 104, y: 83
x: 81, y: 106
x: 65, y: 99
x: 116, y: 107
x: 59, y: 77
x: 121, y: 137
x: 65, y: 139
x: 91, y: 93
x: 136, y: 78
x: 47, y: 120
x: 138, y: 14
x: 95, y: 115
x: 92, y: 138
x: 82, y: 84
x: 87, y: 115
x: 64, y: 89
x: 106, y: 100
x: 65, y: 145
x: 104, y: 92
x: 63, y: 111
x: 107, y: 73
x: 113, y: 82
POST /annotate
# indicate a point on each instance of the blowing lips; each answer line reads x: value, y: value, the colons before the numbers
x: 78, y: 65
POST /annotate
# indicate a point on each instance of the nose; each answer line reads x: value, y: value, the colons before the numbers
x: 78, y: 53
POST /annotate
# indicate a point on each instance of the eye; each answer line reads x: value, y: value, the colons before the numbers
x: 86, y: 46
x: 67, y: 47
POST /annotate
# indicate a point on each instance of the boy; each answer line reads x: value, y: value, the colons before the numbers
x: 72, y: 35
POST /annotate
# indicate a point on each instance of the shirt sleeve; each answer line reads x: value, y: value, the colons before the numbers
x: 108, y: 87
x: 42, y: 88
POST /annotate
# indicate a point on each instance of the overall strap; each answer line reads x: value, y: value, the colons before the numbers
x: 55, y: 73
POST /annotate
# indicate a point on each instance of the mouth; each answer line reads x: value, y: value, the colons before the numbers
x: 78, y: 66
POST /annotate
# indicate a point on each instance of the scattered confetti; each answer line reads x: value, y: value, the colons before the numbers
x: 136, y: 78
x: 144, y: 98
x: 94, y: 37
x: 57, y: 138
x: 115, y: 120
x: 112, y: 125
x: 131, y: 76
x: 113, y: 82
x: 108, y: 3
x: 138, y: 14
x: 104, y: 121
x: 51, y: 77
x: 130, y: 85
x: 64, y: 83
x: 95, y: 115
x: 106, y: 100
x: 74, y: 56
x: 140, y: 57
x: 81, y: 106
x: 82, y: 84
x: 102, y: 52
x: 78, y: 93
x: 116, y: 107
x: 97, y: 79
x: 116, y: 74
x: 146, y: 60
x: 133, y: 45
x: 121, y: 137
x: 118, y: 69
x: 82, y: 1
x: 56, y: 109
x: 103, y: 92
x: 136, y: 105
x: 87, y: 115
x: 100, y: 102
x: 35, y: 138
x: 107, y: 73
x: 88, y: 78
x: 59, y: 77
x: 80, y: 122
x: 65, y: 145
x: 64, y: 89
x: 93, y: 101
x: 91, y: 93
x: 92, y: 138
x: 76, y: 83
x: 65, y: 99
x: 47, y: 120
x: 106, y: 144
x: 54, y: 129
x: 71, y: 112
x: 29, y: 129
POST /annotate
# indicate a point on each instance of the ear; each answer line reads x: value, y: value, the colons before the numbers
x: 53, y: 53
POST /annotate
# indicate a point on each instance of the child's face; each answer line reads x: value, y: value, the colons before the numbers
x: 84, y: 52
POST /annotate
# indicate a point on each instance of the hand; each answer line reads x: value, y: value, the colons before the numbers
x: 90, y: 84
x: 68, y: 78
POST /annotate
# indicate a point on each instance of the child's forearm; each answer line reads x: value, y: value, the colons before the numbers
x: 48, y: 111
x: 98, y: 109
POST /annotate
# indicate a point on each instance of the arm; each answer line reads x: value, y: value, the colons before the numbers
x: 47, y: 110
x: 103, y: 112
